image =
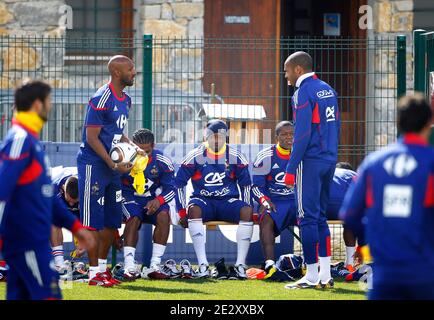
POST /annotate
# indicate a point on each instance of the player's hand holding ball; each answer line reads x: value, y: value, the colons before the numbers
x: 123, y: 154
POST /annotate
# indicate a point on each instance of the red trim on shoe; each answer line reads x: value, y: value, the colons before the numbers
x: 350, y: 268
x: 110, y: 278
x: 100, y: 277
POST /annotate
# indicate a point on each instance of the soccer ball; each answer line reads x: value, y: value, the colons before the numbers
x: 123, y: 152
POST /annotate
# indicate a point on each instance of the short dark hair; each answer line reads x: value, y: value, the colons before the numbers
x: 302, y: 59
x: 414, y: 113
x: 143, y: 136
x: 71, y: 187
x: 282, y: 124
x: 29, y: 92
x: 344, y: 165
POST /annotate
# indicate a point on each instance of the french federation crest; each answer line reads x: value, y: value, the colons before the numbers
x: 95, y: 188
x: 154, y: 171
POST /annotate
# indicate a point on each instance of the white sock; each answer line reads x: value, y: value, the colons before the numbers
x: 129, y: 254
x: 244, y: 235
x: 93, y: 271
x: 197, y: 234
x: 58, y: 256
x: 349, y: 259
x: 269, y: 263
x: 157, y: 253
x: 324, y: 269
x: 102, y: 264
x: 312, y: 272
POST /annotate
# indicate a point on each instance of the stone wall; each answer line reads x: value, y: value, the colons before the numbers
x: 391, y: 18
x: 22, y: 24
x: 177, y: 62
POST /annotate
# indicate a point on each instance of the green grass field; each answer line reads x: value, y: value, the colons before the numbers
x: 205, y: 290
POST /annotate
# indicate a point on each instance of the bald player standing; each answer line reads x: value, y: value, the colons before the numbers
x: 312, y: 164
x: 99, y: 177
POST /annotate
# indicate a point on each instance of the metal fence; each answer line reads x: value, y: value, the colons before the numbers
x: 423, y: 60
x: 183, y: 82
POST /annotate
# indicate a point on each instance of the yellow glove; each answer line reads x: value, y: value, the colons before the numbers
x: 139, y: 167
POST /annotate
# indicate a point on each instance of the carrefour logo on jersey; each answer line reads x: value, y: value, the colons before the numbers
x: 280, y: 178
x: 214, y: 179
x: 330, y: 113
x: 323, y: 94
x: 122, y: 121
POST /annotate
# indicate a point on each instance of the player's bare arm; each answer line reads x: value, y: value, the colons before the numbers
x: 92, y: 134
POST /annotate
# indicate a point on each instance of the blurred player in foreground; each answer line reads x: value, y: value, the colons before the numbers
x: 28, y: 205
x: 391, y: 208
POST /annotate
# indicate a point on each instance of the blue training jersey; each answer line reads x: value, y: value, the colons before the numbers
x: 28, y: 206
x: 160, y: 179
x: 317, y: 123
x: 109, y: 112
x: 215, y: 178
x: 59, y: 181
x: 342, y: 180
x: 391, y: 208
x: 268, y: 176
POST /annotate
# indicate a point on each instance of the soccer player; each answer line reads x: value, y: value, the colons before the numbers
x: 28, y: 206
x: 277, y: 210
x: 342, y: 179
x: 150, y: 207
x: 66, y: 189
x: 216, y: 171
x: 312, y: 164
x: 390, y: 207
x: 99, y: 182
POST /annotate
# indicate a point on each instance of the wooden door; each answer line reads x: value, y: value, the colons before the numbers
x: 241, y: 55
x: 343, y: 65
